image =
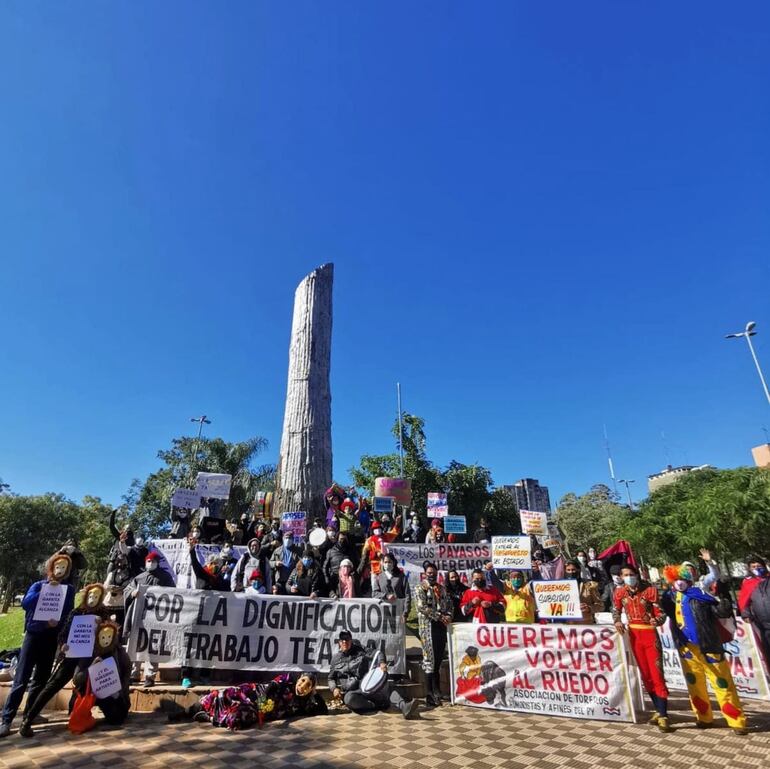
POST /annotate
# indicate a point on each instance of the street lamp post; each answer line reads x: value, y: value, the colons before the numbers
x: 747, y: 333
x: 627, y: 484
x: 202, y: 420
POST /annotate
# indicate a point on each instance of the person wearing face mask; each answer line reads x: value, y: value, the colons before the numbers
x: 694, y: 619
x: 519, y: 601
x: 456, y: 589
x: 640, y: 603
x: 372, y: 552
x: 483, y: 533
x: 38, y: 648
x: 392, y: 584
x: 256, y: 583
x: 434, y: 613
x: 608, y: 592
x: 152, y: 576
x: 481, y: 602
x: 282, y: 562
x: 436, y: 534
x: 415, y: 531
x: 590, y: 600
x: 255, y: 557
x: 754, y: 601
x: 306, y: 578
x: 341, y: 550
x: 346, y: 581
x: 91, y: 603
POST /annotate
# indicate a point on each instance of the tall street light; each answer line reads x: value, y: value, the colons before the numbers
x: 201, y: 420
x: 627, y: 484
x: 747, y: 333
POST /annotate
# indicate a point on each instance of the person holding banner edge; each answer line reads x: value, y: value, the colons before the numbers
x: 639, y: 600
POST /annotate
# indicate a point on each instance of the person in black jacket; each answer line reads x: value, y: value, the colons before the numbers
x: 340, y: 551
x: 392, y: 584
x: 349, y: 666
x: 757, y: 612
x: 483, y: 533
x: 306, y: 579
x: 456, y: 589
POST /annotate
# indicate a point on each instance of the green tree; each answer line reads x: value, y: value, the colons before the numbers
x: 726, y: 511
x: 147, y: 505
x: 501, y: 513
x: 94, y: 538
x: 594, y: 519
x: 469, y: 491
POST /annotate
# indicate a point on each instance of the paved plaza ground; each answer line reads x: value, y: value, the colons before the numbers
x: 449, y: 737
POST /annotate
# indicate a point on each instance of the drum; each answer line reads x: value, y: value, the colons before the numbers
x: 317, y: 537
x: 374, y: 681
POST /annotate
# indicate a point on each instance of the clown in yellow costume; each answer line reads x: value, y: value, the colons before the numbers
x: 693, y: 616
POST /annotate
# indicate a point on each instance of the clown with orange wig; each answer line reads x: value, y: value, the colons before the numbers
x: 694, y: 616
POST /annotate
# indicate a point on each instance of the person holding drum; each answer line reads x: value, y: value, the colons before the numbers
x: 359, y: 677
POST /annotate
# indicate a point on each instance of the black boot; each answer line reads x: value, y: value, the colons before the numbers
x: 430, y: 698
x: 437, y: 688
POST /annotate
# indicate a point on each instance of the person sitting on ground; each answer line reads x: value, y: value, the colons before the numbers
x: 282, y: 562
x: 392, y: 584
x: 348, y: 668
x: 456, y: 589
x: 91, y: 603
x: 590, y: 600
x: 481, y: 602
x: 38, y: 647
x: 306, y: 579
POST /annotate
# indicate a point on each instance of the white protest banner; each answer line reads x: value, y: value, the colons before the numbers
x: 216, y: 485
x: 460, y: 557
x: 554, y: 670
x: 437, y: 505
x: 238, y: 631
x: 384, y: 504
x: 296, y: 523
x: 533, y: 522
x: 50, y: 602
x: 80, y: 641
x: 557, y: 598
x: 742, y: 653
x: 187, y: 499
x: 512, y: 552
x: 455, y: 524
x: 105, y: 679
x: 175, y: 558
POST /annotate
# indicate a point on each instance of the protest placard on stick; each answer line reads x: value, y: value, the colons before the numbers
x: 437, y: 505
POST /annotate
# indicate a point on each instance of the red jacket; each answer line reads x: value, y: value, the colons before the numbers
x: 479, y: 613
x: 747, y: 588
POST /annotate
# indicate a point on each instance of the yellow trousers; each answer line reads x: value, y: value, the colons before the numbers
x: 698, y: 667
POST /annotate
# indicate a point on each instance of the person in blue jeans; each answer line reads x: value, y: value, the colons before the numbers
x: 38, y: 648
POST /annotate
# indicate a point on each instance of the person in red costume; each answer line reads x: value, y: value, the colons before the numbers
x: 481, y: 602
x: 639, y: 600
x: 372, y: 552
x: 757, y: 571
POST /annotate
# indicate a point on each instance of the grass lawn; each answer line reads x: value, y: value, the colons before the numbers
x: 11, y: 628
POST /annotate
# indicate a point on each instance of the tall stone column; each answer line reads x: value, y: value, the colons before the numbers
x: 305, y: 463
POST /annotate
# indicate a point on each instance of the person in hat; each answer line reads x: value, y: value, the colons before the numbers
x: 694, y: 619
x: 348, y: 668
x: 436, y: 534
x: 334, y: 496
x: 373, y: 551
x: 38, y: 648
x: 639, y: 601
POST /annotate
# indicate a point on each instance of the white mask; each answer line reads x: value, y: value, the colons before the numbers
x: 582, y: 559
x: 151, y: 565
x: 139, y: 541
x: 618, y: 580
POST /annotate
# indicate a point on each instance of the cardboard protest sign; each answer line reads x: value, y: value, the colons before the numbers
x: 556, y: 670
x: 50, y: 603
x: 533, y: 522
x: 458, y: 556
x: 188, y: 499
x: 239, y: 631
x: 742, y: 654
x: 512, y: 552
x: 216, y: 485
x: 105, y: 679
x: 296, y: 523
x: 455, y: 524
x: 80, y: 641
x: 557, y: 598
x: 384, y: 504
x: 437, y: 505
x: 398, y: 488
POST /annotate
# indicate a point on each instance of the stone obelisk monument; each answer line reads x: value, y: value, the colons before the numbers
x: 305, y: 463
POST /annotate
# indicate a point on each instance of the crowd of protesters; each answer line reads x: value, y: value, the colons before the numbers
x: 346, y: 558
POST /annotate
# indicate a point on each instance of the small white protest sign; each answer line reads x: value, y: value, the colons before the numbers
x: 216, y: 485
x: 50, y: 602
x: 533, y: 522
x: 512, y: 552
x: 80, y: 641
x: 188, y: 499
x: 105, y: 680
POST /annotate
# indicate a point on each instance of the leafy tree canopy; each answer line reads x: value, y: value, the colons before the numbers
x: 595, y: 519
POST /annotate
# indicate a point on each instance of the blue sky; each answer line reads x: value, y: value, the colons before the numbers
x: 543, y: 218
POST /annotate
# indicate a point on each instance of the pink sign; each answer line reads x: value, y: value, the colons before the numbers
x: 399, y: 488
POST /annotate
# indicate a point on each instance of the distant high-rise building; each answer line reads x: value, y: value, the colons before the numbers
x: 530, y: 495
x: 761, y: 455
x: 669, y: 475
